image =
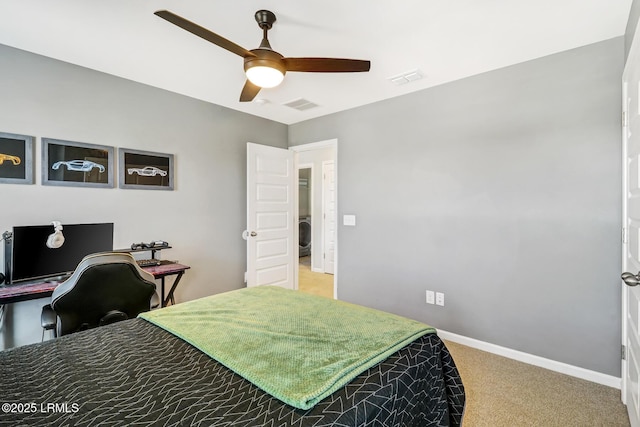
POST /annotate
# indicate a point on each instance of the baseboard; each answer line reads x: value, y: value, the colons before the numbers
x: 531, y: 359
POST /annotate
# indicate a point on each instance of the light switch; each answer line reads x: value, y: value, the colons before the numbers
x: 349, y: 220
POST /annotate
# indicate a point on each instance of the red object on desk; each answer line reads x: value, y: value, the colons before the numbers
x: 27, y: 291
x: 165, y: 269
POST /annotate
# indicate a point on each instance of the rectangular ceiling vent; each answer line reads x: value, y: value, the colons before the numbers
x: 406, y: 77
x: 301, y: 104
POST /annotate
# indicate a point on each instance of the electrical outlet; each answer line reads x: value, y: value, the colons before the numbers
x: 431, y: 297
x: 440, y: 298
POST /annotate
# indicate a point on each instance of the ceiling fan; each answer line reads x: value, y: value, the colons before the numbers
x: 263, y: 66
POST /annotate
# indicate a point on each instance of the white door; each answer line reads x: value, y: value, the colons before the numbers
x: 270, y: 216
x: 631, y: 234
x: 329, y: 215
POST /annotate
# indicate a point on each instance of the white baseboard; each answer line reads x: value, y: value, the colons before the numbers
x: 531, y: 359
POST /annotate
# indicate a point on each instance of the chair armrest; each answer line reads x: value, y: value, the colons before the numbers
x: 155, y: 301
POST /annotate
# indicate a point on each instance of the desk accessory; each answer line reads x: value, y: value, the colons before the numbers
x: 156, y: 244
x: 56, y: 239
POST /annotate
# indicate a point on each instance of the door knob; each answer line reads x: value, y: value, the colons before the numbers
x: 630, y: 279
x: 246, y: 234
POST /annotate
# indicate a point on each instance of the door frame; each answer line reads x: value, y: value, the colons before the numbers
x: 329, y: 143
x: 323, y: 227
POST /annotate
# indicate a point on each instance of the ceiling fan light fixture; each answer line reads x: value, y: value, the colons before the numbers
x: 264, y: 76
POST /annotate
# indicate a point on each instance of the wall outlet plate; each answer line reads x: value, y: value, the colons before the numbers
x: 440, y: 298
x: 349, y: 220
x: 431, y: 297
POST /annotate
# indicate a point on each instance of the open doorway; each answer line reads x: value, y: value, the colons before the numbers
x: 304, y: 214
x: 309, y: 281
x: 316, y: 218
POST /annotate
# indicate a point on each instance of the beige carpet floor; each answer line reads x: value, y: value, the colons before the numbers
x: 314, y: 283
x: 504, y: 392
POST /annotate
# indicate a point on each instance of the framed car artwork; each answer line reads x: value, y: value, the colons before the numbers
x: 71, y: 163
x: 16, y: 158
x: 145, y: 170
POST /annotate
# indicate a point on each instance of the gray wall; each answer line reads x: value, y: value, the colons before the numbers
x: 502, y: 191
x: 202, y: 219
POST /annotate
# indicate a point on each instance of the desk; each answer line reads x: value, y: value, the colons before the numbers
x: 27, y: 291
x: 163, y: 270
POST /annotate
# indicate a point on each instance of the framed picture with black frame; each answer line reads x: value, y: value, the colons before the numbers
x: 77, y: 164
x: 16, y: 158
x: 145, y: 170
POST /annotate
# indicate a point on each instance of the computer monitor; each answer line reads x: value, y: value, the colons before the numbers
x: 27, y: 256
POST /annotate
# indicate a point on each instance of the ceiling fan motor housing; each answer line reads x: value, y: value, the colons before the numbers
x: 265, y: 58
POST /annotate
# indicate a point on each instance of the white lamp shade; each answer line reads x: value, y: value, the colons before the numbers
x: 264, y: 76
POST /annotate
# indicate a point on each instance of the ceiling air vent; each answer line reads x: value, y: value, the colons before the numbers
x: 406, y: 77
x: 301, y: 104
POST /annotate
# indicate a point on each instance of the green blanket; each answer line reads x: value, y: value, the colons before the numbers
x: 297, y: 347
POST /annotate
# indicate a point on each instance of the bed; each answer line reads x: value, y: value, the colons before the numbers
x: 137, y: 372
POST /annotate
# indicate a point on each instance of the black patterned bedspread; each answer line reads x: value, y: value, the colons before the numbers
x: 134, y: 373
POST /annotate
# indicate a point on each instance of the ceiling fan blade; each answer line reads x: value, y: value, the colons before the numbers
x: 249, y: 91
x: 326, y: 65
x: 203, y: 32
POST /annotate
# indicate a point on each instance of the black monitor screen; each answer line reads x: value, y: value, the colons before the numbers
x: 33, y: 259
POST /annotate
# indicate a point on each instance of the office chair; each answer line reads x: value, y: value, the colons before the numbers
x: 105, y: 288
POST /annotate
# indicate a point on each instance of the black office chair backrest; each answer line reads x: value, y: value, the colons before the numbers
x: 104, y: 288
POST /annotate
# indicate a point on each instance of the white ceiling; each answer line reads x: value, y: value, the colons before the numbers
x: 445, y: 39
